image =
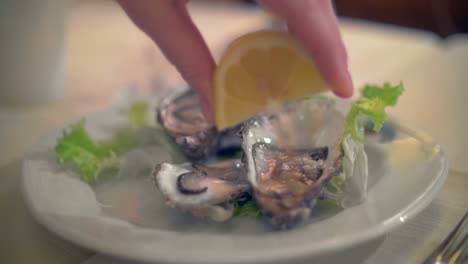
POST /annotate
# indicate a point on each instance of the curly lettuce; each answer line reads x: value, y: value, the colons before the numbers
x: 89, y: 157
x: 350, y: 187
x: 246, y: 207
x: 372, y: 103
x: 139, y: 114
x: 92, y: 157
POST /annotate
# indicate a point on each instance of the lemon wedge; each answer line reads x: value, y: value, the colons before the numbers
x: 260, y: 70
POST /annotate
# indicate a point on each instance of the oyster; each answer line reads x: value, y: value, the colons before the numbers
x: 203, y: 190
x: 290, y: 155
x: 182, y: 117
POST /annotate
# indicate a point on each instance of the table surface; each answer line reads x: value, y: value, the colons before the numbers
x: 120, y: 56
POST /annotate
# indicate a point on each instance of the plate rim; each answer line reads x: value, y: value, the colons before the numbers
x: 408, y: 212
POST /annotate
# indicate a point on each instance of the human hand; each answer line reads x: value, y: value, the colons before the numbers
x: 312, y: 22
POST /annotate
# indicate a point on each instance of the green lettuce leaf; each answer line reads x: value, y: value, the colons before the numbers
x: 246, y: 207
x: 372, y: 103
x: 349, y: 188
x: 89, y: 157
x: 138, y: 114
x: 121, y: 142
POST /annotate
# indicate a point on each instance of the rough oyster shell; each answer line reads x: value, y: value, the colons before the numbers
x: 290, y: 155
x: 181, y: 115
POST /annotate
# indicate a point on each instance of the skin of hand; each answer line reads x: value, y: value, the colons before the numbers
x: 313, y: 22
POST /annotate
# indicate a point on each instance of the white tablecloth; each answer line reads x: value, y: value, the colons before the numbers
x: 121, y: 56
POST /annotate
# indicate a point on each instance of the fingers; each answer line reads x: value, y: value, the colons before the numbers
x: 314, y: 23
x: 169, y: 25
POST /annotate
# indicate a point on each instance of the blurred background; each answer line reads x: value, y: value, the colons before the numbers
x: 77, y: 53
x: 62, y: 59
x: 443, y: 17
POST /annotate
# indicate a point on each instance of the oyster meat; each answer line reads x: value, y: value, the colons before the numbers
x: 182, y: 117
x: 203, y: 190
x: 290, y: 155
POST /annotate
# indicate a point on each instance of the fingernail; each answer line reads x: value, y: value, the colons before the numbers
x: 349, y: 80
x: 343, y: 83
x: 206, y: 108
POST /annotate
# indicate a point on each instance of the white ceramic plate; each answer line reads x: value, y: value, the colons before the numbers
x: 126, y: 217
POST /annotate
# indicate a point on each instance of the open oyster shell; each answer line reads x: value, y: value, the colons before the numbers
x: 290, y: 154
x: 181, y: 115
x: 202, y: 190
